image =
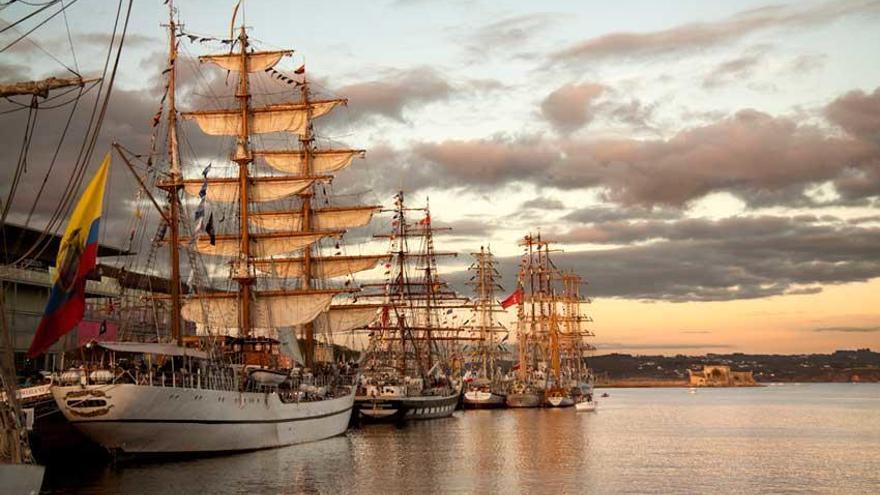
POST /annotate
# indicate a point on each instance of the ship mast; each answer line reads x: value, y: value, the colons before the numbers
x: 243, y: 158
x: 306, y: 146
x: 175, y: 184
x: 484, y: 307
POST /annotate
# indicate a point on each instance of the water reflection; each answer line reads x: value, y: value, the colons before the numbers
x: 816, y: 438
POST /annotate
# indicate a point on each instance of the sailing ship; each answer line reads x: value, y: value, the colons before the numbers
x: 551, y: 369
x: 411, y: 367
x: 236, y: 384
x: 485, y: 384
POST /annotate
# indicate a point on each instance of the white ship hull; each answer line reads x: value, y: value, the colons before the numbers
x: 142, y: 420
x: 478, y: 399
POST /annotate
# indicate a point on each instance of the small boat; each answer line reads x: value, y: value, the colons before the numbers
x: 483, y: 399
x: 586, y: 406
x: 604, y: 395
x: 267, y: 376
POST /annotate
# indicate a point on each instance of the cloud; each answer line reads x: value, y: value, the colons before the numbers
x: 737, y: 258
x: 659, y: 346
x: 848, y: 329
x: 543, y: 204
x: 804, y: 64
x: 602, y: 214
x: 567, y: 108
x: 700, y: 36
x: 749, y: 153
x: 735, y: 70
x: 509, y: 33
x: 397, y: 91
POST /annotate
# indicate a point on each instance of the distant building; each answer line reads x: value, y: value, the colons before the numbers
x: 720, y: 376
x: 26, y: 286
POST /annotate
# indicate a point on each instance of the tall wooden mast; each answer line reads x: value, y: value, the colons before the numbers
x: 306, y: 195
x: 243, y: 157
x: 175, y: 184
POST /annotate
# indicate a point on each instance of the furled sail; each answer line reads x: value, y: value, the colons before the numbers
x: 323, y: 267
x: 263, y: 245
x: 323, y: 162
x: 257, y: 61
x: 260, y: 190
x: 284, y: 117
x: 269, y: 309
x: 323, y: 219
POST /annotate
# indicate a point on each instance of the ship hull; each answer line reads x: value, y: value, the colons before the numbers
x: 395, y: 409
x: 523, y: 400
x: 558, y: 401
x: 483, y: 400
x: 147, y: 420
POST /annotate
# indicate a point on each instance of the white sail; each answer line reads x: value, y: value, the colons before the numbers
x: 262, y: 246
x: 257, y: 61
x: 343, y: 318
x: 326, y: 219
x: 260, y: 190
x: 267, y: 310
x: 323, y: 267
x: 285, y: 117
x: 323, y: 162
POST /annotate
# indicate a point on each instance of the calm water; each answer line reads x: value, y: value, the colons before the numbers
x: 777, y: 439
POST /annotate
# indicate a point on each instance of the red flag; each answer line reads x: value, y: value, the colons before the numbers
x: 300, y: 70
x: 426, y: 220
x: 512, y: 299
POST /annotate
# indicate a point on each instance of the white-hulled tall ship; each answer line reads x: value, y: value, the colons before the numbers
x: 411, y: 369
x: 232, y: 386
x: 485, y: 385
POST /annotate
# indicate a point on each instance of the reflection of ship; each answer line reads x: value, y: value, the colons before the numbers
x: 234, y: 386
x: 485, y: 386
x: 408, y: 369
x: 551, y: 370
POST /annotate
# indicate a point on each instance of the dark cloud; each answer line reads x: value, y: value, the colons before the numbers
x: 568, y: 107
x: 749, y: 152
x: 704, y: 260
x: 857, y: 113
x: 699, y: 36
x: 848, y: 329
x: 658, y: 346
x: 398, y: 91
x: 543, y: 204
x: 602, y: 214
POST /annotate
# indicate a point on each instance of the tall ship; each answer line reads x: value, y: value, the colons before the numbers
x: 411, y: 367
x: 551, y: 368
x: 485, y: 383
x: 246, y: 361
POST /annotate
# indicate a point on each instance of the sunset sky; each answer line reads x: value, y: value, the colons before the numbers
x: 712, y: 168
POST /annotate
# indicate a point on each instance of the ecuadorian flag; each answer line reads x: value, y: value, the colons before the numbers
x: 76, y: 258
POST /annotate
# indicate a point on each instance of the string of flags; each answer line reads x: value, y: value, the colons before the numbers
x: 193, y: 38
x: 281, y: 77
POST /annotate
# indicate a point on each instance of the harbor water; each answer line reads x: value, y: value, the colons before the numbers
x: 792, y: 438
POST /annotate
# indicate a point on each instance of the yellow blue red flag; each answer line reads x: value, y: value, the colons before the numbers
x: 77, y: 256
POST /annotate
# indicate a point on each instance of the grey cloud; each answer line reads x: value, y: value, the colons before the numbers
x: 734, y: 70
x: 399, y: 90
x: 602, y: 214
x: 543, y: 204
x: 848, y: 329
x: 727, y: 260
x: 568, y: 107
x: 510, y: 32
x: 808, y: 63
x: 657, y: 346
x: 697, y: 36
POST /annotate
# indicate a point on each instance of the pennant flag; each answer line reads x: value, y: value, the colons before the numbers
x: 512, y: 299
x: 200, y: 210
x: 210, y: 229
x: 77, y: 256
x: 301, y: 70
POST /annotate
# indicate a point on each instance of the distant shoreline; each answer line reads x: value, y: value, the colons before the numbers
x: 660, y: 383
